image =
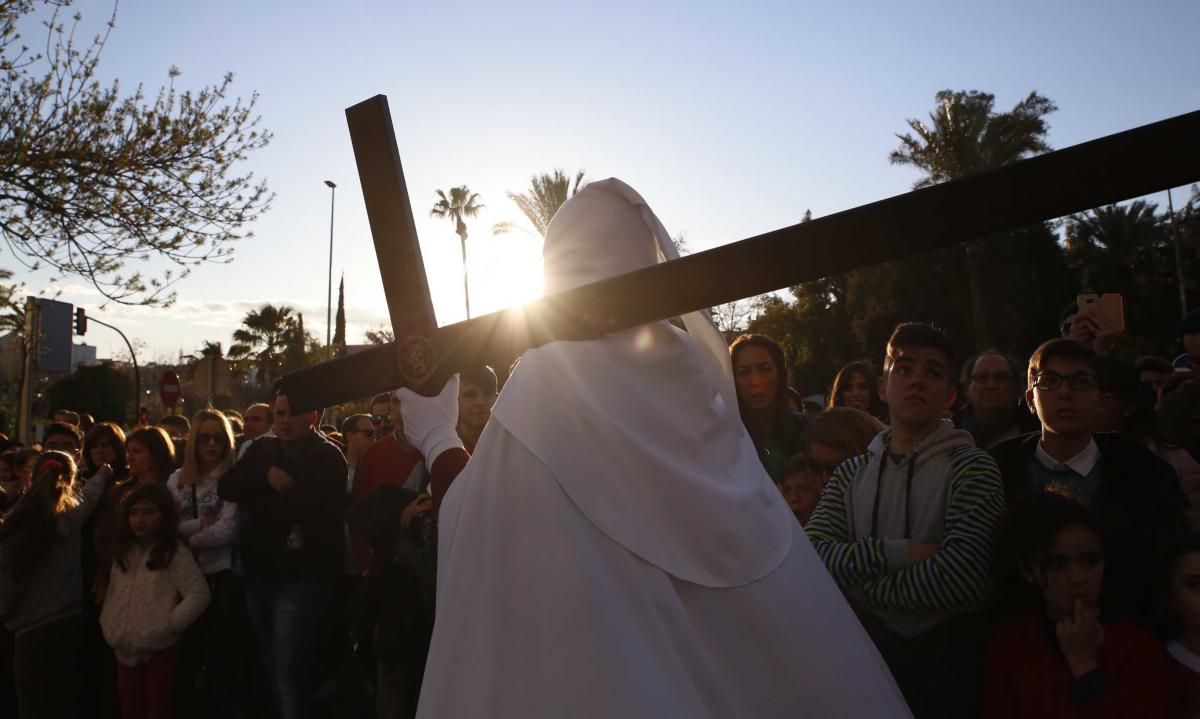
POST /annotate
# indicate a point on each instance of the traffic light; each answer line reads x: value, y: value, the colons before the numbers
x: 80, y: 321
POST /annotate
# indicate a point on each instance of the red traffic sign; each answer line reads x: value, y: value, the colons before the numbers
x: 168, y: 388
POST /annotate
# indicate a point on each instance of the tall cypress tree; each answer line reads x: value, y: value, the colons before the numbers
x: 339, y: 321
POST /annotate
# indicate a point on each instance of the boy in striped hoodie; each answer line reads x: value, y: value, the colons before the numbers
x: 907, y: 529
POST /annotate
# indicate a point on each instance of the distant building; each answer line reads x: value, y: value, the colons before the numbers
x: 83, y: 354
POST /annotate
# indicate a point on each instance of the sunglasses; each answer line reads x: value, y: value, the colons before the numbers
x: 379, y: 419
x: 204, y: 438
x: 369, y: 431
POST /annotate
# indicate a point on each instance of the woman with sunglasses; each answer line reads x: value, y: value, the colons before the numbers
x: 208, y: 525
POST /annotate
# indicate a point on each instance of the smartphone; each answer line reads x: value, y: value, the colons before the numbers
x: 1107, y: 310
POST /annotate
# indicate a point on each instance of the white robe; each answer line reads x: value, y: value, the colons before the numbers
x: 542, y: 615
x: 614, y: 548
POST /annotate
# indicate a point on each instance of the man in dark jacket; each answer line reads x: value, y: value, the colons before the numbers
x: 1134, y: 494
x: 290, y: 495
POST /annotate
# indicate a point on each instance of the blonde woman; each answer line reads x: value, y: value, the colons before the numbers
x: 209, y: 526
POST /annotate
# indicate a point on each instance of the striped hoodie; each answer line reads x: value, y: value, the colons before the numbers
x: 946, y: 492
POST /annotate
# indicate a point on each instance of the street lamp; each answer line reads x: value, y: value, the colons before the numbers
x: 329, y: 288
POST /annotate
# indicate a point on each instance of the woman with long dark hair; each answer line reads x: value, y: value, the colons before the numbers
x: 760, y: 376
x: 857, y: 387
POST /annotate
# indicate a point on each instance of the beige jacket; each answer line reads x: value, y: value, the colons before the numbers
x: 146, y: 611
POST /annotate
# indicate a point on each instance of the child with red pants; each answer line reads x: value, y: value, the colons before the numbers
x: 155, y: 594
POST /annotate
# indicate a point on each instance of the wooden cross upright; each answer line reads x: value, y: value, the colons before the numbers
x: 1129, y: 164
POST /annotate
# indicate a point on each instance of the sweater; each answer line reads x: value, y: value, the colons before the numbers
x: 1027, y: 677
x: 946, y: 492
x: 1137, y: 502
x: 212, y: 545
x: 294, y: 535
x: 148, y: 610
x: 52, y: 592
x: 385, y: 462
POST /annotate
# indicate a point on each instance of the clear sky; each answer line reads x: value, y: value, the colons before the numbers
x: 730, y: 118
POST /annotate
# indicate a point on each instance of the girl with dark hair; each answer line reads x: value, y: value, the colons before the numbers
x: 150, y: 458
x: 40, y: 581
x: 760, y: 376
x: 105, y: 444
x: 1183, y: 605
x: 857, y: 387
x: 1060, y: 654
x: 156, y: 593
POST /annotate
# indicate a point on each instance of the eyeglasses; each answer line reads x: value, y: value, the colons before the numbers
x: 1079, y: 381
x: 987, y: 377
x: 378, y: 419
x: 203, y: 438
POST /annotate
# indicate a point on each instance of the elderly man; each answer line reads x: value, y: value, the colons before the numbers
x: 995, y: 389
x: 614, y: 547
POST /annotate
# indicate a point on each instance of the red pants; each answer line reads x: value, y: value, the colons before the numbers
x: 146, y: 690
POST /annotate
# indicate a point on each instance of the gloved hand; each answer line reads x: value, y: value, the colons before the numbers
x: 430, y: 423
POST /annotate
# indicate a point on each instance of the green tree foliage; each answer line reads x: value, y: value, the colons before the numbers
x: 1127, y: 249
x: 12, y: 312
x: 547, y: 192
x: 339, y: 321
x: 100, y: 390
x: 380, y: 336
x: 460, y: 205
x: 91, y: 177
x: 965, y: 136
x: 836, y: 320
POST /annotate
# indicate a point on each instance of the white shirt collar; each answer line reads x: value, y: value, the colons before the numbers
x: 1082, y: 463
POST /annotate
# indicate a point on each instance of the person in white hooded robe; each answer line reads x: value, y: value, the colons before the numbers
x: 614, y: 547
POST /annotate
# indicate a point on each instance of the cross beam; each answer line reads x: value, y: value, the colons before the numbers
x: 1129, y: 164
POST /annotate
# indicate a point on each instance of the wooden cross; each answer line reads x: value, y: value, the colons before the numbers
x: 1129, y: 164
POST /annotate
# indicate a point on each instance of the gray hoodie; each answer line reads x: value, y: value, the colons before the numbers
x: 945, y: 492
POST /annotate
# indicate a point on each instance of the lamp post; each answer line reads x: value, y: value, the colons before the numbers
x: 329, y: 288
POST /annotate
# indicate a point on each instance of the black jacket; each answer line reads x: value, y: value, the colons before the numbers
x: 295, y: 535
x: 1139, y: 506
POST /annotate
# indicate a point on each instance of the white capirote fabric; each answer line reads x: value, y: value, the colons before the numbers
x: 614, y: 547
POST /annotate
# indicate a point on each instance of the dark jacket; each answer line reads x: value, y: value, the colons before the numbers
x: 295, y: 535
x: 775, y: 449
x: 1018, y: 422
x: 1138, y: 505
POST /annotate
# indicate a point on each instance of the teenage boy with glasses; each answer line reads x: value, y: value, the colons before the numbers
x: 1133, y: 493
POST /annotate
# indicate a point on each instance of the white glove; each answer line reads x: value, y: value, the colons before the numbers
x: 430, y: 423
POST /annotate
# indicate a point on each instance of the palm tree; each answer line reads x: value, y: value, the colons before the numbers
x: 461, y: 204
x: 547, y: 193
x: 965, y: 137
x: 262, y: 338
x: 1118, y: 248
